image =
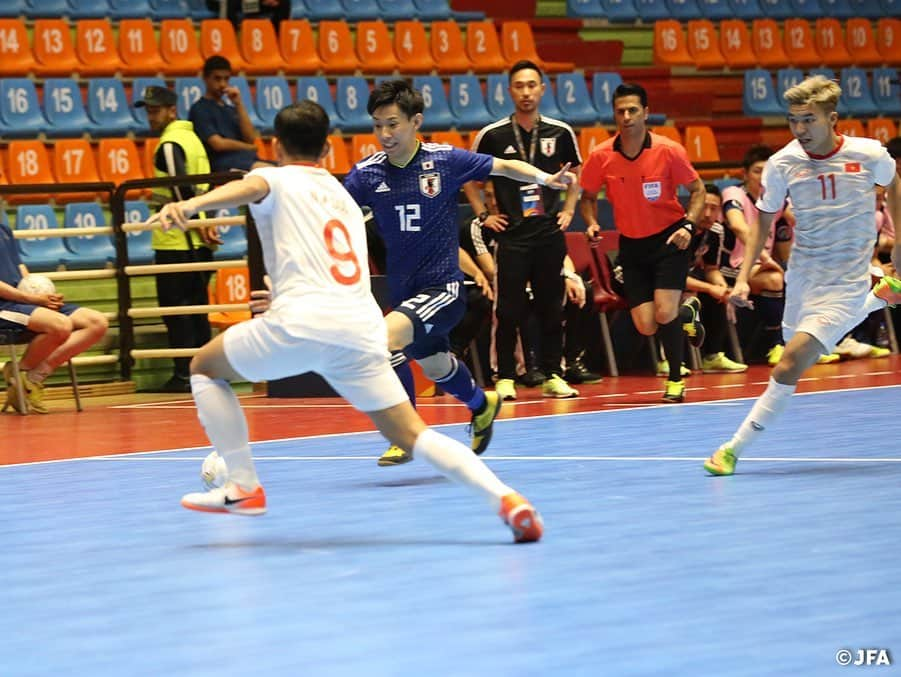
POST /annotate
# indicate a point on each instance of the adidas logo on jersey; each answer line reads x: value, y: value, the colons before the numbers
x: 509, y: 149
x: 383, y: 188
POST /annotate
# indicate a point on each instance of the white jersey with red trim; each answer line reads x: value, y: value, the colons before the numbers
x: 314, y: 247
x: 834, y: 201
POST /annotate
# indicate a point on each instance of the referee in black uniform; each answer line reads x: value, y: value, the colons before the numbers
x: 529, y: 225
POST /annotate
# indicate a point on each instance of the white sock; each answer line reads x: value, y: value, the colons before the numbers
x: 222, y: 419
x: 765, y: 410
x: 460, y: 464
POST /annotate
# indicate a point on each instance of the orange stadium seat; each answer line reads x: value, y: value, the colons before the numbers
x: 669, y: 132
x: 703, y: 44
x: 374, y: 48
x: 260, y: 47
x: 411, y: 45
x: 337, y: 161
x: 53, y: 50
x: 179, y: 48
x: 138, y: 48
x: 28, y: 162
x: 860, y: 42
x: 767, y: 43
x: 483, y: 48
x: 670, y: 48
x: 148, y: 150
x: 517, y: 42
x: 850, y: 127
x: 888, y: 39
x: 830, y: 42
x: 700, y: 143
x: 735, y: 44
x: 232, y: 285
x: 336, y: 48
x: 589, y: 138
x: 95, y: 48
x: 800, y: 46
x: 298, y: 48
x: 73, y: 162
x: 451, y: 137
x: 118, y: 160
x: 265, y: 150
x: 363, y: 145
x: 15, y: 50
x: 448, y: 49
x: 882, y: 129
x: 217, y: 37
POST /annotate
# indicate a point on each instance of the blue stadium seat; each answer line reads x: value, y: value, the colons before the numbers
x: 351, y: 95
x: 838, y: 9
x: 234, y: 238
x: 108, y: 107
x: 787, y: 78
x: 891, y: 7
x: 89, y: 251
x: 64, y: 109
x: 759, y: 96
x: 497, y: 96
x: 867, y: 9
x: 548, y: 106
x: 619, y: 10
x: 45, y: 254
x: 361, y: 10
x: 725, y: 183
x: 826, y: 72
x: 573, y: 99
x: 397, y: 10
x: 140, y: 250
x: 240, y: 82
x: 683, y: 9
x: 324, y: 9
x: 587, y: 9
x: 467, y: 102
x: 887, y: 91
x: 602, y: 87
x: 89, y: 9
x: 189, y: 90
x: 52, y: 9
x: 273, y: 94
x: 20, y: 112
x: 857, y: 96
x: 200, y: 11
x: 431, y: 10
x: 138, y: 86
x: 12, y: 8
x: 168, y: 9
x: 746, y: 9
x: 652, y: 10
x: 315, y: 88
x: 807, y: 9
x: 715, y: 9
x: 777, y: 9
x: 130, y: 9
x: 299, y: 9
x: 437, y: 115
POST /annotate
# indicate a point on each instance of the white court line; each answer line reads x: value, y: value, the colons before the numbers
x: 647, y: 459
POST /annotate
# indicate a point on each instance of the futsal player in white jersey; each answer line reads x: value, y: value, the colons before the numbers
x: 322, y: 318
x: 831, y: 180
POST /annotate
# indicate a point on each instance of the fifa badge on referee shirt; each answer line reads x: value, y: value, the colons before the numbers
x: 651, y: 190
x: 548, y: 146
x: 430, y: 184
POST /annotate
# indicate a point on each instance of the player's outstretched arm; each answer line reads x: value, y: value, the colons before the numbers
x: 232, y: 194
x: 526, y: 173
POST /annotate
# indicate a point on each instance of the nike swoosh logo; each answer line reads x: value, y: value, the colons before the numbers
x: 233, y: 501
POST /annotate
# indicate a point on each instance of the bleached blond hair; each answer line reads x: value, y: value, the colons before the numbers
x: 816, y: 89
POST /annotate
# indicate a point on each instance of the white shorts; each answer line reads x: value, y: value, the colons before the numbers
x: 260, y: 350
x: 826, y: 313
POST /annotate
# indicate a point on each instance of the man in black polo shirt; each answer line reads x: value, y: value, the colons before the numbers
x: 529, y: 227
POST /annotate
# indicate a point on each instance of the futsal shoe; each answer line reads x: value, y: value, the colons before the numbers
x: 395, y: 456
x: 230, y: 497
x: 522, y: 518
x: 557, y: 387
x: 481, y: 425
x: 722, y: 462
x: 663, y: 369
x: 889, y: 290
x: 718, y: 363
x: 774, y: 354
x: 34, y: 392
x: 674, y: 392
x: 577, y: 372
x: 505, y: 389
x: 829, y: 359
x: 692, y: 325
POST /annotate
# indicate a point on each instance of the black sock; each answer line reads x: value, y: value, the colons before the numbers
x: 672, y: 340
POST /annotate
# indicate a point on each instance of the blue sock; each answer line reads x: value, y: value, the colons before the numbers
x: 405, y: 374
x: 460, y: 383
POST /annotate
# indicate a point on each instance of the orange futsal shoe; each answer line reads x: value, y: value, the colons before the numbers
x: 230, y: 497
x: 522, y: 518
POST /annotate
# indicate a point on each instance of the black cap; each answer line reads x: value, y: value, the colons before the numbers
x: 157, y: 96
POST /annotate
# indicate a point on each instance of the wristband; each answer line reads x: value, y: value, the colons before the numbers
x: 569, y: 275
x: 688, y: 225
x: 482, y: 217
x: 541, y: 177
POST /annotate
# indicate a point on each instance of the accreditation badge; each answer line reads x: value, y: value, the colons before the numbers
x: 530, y: 200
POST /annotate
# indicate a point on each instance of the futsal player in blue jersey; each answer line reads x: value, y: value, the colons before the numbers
x: 412, y: 189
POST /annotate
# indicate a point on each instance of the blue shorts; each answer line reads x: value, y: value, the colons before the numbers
x: 16, y: 315
x: 434, y: 312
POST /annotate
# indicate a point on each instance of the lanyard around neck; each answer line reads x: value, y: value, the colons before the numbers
x: 533, y: 145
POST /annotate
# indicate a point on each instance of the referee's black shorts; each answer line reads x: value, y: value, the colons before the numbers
x: 650, y: 263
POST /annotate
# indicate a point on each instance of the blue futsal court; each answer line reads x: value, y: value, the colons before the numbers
x: 648, y: 566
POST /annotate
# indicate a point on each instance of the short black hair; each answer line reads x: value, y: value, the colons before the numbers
x: 302, y: 129
x: 521, y: 65
x: 713, y: 189
x: 216, y: 63
x: 400, y: 92
x: 893, y: 146
x: 758, y: 153
x: 631, y: 89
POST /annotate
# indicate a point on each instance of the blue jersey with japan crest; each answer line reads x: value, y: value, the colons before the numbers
x: 415, y: 207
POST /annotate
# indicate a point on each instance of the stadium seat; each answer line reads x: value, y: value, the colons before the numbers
x: 787, y: 78
x: 351, y: 95
x: 882, y: 129
x: 138, y: 49
x: 217, y: 38
x: 593, y: 9
x: 837, y: 9
x: 73, y: 162
x: 670, y: 48
x: 614, y: 10
x: 273, y: 94
x: 735, y: 44
x: 336, y: 48
x: 602, y: 87
x: 850, y: 127
x: 807, y: 9
x: 589, y: 138
x: 887, y: 91
x: 188, y: 91
x: 361, y: 10
x: 108, y: 108
x: 260, y: 47
x: 374, y: 48
x: 247, y: 97
x: 703, y: 44
x: 28, y: 162
x: 15, y: 50
x: 20, y: 111
x: 298, y: 10
x: 89, y: 251
x: 198, y: 10
x: 234, y: 238
x: 317, y: 10
x: 337, y: 161
x: 95, y: 47
x: 47, y: 8
x: 746, y: 9
x: 140, y: 251
x: 437, y: 10
x: 411, y: 45
x: 229, y: 285
x: 867, y: 9
x: 860, y: 43
x: 701, y: 144
x: 891, y: 7
x: 518, y: 43
x: 397, y: 10
x: 362, y: 146
x: 573, y: 99
x: 467, y: 102
x: 138, y: 86
x: 298, y: 47
x: 766, y: 41
x: 888, y: 39
x: 13, y: 8
x: 147, y: 153
x: 830, y: 42
x: 715, y: 9
x: 437, y: 110
x: 483, y: 47
x: 447, y: 46
x: 549, y: 106
x: 168, y: 9
x: 118, y: 160
x: 315, y: 88
x: 777, y: 9
x: 683, y: 10
x: 130, y: 9
x: 54, y: 53
x: 652, y: 10
x: 857, y: 96
x: 497, y: 96
x: 667, y: 131
x: 42, y: 253
x: 759, y: 96
x: 64, y: 109
x: 450, y: 137
x: 800, y: 45
x: 179, y: 48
